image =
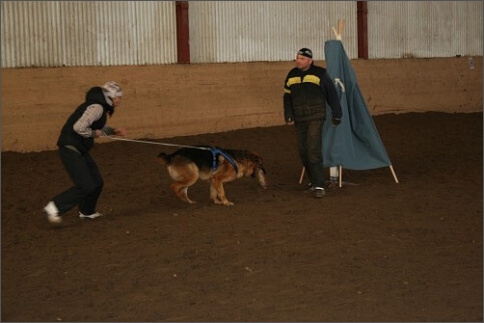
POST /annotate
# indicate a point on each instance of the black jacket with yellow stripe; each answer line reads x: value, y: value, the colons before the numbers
x: 306, y: 94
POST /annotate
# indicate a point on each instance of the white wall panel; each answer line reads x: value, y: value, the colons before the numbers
x: 103, y: 33
x: 399, y: 29
x: 246, y: 31
x: 87, y: 33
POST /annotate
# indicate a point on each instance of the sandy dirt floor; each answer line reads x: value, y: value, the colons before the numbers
x: 374, y: 250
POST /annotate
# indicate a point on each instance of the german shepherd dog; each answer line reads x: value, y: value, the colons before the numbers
x: 215, y: 165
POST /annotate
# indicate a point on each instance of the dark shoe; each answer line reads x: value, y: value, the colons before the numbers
x: 309, y: 190
x: 319, y: 192
x: 332, y: 185
x: 334, y: 179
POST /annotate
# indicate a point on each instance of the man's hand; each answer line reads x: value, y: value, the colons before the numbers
x: 336, y: 121
x: 120, y: 132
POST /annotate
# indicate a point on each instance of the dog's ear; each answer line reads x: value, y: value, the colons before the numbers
x: 254, y: 157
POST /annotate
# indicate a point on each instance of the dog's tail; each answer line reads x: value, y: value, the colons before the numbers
x: 163, y: 159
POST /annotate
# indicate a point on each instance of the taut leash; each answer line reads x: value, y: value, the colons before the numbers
x: 214, y: 150
x: 153, y: 142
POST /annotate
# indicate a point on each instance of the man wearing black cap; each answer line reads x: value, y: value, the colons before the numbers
x: 307, y: 88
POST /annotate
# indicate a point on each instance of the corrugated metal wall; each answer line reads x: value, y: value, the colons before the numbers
x: 246, y: 31
x: 401, y: 29
x: 103, y: 33
x: 87, y: 33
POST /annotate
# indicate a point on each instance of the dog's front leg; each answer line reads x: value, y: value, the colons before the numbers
x: 217, y: 193
x: 214, y: 194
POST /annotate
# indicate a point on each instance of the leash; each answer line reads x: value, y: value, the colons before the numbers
x: 213, y: 150
x: 153, y: 142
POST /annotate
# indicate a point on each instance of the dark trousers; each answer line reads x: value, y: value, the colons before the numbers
x: 310, y: 145
x: 87, y: 179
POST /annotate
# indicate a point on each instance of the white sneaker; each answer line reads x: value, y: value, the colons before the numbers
x: 90, y: 216
x: 320, y: 192
x: 52, y: 213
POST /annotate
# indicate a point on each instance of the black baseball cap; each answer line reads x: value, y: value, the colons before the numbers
x: 305, y: 52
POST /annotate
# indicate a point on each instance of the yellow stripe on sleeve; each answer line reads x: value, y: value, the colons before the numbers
x: 312, y: 79
x: 293, y: 80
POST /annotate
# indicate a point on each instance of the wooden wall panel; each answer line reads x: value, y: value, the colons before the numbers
x: 163, y: 101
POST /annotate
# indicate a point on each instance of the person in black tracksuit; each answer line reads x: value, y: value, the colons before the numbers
x: 76, y: 139
x: 307, y: 89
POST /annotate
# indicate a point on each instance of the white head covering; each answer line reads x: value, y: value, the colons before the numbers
x: 111, y: 90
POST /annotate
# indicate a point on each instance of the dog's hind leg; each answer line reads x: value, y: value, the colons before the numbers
x: 183, y: 179
x: 181, y: 191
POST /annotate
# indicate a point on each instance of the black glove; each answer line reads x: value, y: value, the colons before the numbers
x: 336, y: 121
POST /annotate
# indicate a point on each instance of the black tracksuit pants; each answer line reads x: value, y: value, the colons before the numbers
x: 88, y: 183
x: 310, y: 145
